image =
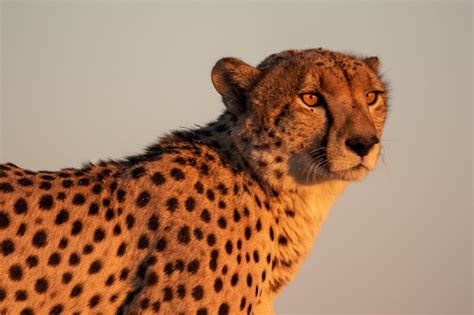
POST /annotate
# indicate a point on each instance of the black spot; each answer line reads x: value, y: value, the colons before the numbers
x: 78, y: 199
x: 249, y: 280
x: 45, y: 185
x: 205, y: 216
x: 94, y: 301
x: 109, y: 214
x: 152, y: 279
x: 144, y: 304
x: 110, y: 280
x: 204, y: 169
x: 95, y: 267
x: 218, y: 285
x: 61, y: 196
x: 76, y: 227
x: 99, y: 235
x: 25, y: 181
x: 258, y: 226
x: 124, y: 274
x: 228, y: 247
x: 172, y: 204
x: 21, y: 230
x: 158, y: 179
x: 54, y: 259
x: 210, y: 195
x: 20, y: 206
x: 236, y: 215
x: 66, y: 183
x: 21, y: 295
x: 190, y: 204
x: 66, y: 278
x: 143, y: 242
x: 222, y: 222
x: 97, y: 189
x: 243, y: 302
x: 234, y: 280
x: 248, y: 233
x: 32, y: 261
x: 211, y: 239
x: 87, y: 249
x: 223, y: 309
x: 197, y: 292
x: 161, y: 245
x: 121, y: 249
x: 256, y: 257
x: 181, y: 291
x: 153, y: 223
x: 62, y: 217
x: 282, y: 240
x: 74, y: 259
x: 76, y: 290
x: 46, y: 202
x: 15, y: 272
x: 156, y: 306
x: 143, y: 199
x: 41, y: 285
x: 272, y: 234
x: 199, y: 187
x: 202, y: 311
x: 193, y: 266
x: 121, y: 195
x: 27, y: 311
x: 198, y: 234
x: 130, y: 221
x: 138, y: 172
x: 168, y: 268
x: 177, y: 174
x: 213, y: 260
x: 222, y: 189
x: 7, y: 247
x: 167, y: 294
x: 56, y: 310
x: 83, y: 182
x: 183, y: 235
x: 6, y: 188
x: 93, y: 209
x: 221, y: 204
x: 40, y: 239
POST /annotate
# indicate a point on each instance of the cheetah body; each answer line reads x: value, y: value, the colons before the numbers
x: 188, y: 227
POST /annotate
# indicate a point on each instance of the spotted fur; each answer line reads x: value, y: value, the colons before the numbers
x: 210, y: 221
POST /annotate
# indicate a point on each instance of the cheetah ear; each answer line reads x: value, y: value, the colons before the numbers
x: 373, y: 63
x: 232, y: 78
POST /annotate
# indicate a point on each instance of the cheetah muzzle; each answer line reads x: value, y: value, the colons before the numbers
x: 214, y: 220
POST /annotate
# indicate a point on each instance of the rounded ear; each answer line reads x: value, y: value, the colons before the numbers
x: 232, y: 78
x: 373, y: 63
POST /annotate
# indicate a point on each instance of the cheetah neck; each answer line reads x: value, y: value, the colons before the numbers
x: 299, y: 219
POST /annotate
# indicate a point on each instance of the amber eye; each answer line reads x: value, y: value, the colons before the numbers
x: 310, y: 99
x: 371, y: 98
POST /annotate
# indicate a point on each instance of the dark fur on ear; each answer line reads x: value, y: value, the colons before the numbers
x: 373, y: 63
x: 233, y: 78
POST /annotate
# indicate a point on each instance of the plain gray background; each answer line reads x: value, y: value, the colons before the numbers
x: 83, y: 80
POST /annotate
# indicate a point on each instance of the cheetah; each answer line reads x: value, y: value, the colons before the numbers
x: 211, y: 220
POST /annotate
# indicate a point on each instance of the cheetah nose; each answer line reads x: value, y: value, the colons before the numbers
x: 361, y: 145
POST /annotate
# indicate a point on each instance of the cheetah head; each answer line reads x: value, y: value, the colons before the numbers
x: 305, y: 116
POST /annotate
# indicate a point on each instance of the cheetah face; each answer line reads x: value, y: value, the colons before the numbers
x: 306, y: 116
